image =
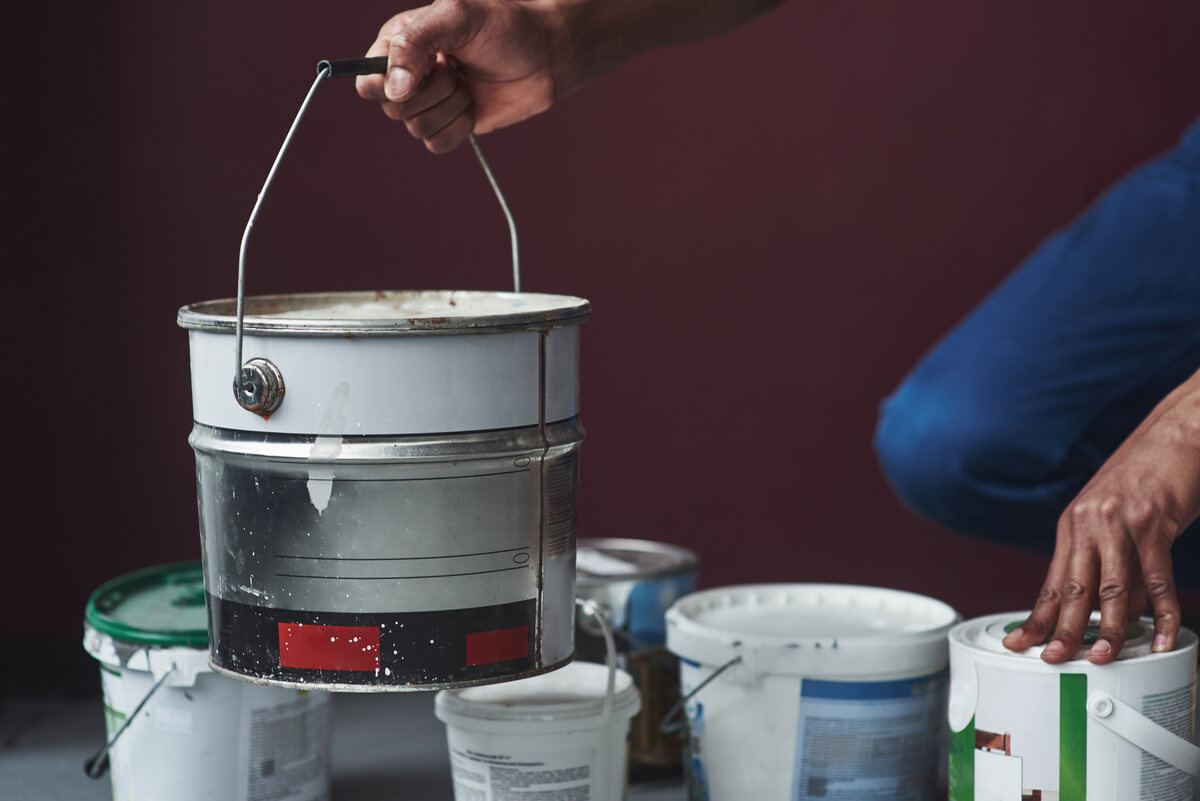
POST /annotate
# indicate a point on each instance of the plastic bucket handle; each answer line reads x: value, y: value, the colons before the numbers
x: 1137, y: 729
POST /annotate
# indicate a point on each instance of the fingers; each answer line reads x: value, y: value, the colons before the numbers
x: 1155, y: 556
x: 1042, y: 619
x: 1078, y: 592
x: 443, y: 27
x: 1115, y: 592
x: 423, y: 87
x: 440, y: 113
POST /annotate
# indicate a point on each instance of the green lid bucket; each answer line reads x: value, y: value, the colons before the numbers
x: 160, y: 606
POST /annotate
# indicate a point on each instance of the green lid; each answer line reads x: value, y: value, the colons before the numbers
x: 161, y: 606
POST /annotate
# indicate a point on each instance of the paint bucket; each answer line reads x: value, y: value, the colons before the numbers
x: 177, y: 730
x: 1024, y: 729
x: 799, y: 691
x: 405, y: 518
x: 634, y: 582
x: 561, y: 735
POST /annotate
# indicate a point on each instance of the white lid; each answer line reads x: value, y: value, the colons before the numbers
x: 570, y: 693
x: 184, y: 662
x: 987, y: 634
x: 830, y: 631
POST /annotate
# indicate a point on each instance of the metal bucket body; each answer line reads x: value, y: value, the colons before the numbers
x: 406, y: 518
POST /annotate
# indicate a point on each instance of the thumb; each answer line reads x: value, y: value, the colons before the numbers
x: 442, y: 27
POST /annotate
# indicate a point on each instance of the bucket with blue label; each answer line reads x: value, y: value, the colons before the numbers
x: 824, y: 691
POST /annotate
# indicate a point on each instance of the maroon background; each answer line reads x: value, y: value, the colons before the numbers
x: 771, y: 226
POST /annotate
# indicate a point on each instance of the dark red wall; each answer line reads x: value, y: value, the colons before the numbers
x: 771, y: 227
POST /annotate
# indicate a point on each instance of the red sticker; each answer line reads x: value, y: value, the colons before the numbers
x: 486, y: 647
x: 328, y: 647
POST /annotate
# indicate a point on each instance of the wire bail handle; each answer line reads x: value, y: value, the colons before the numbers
x: 593, y: 610
x: 671, y: 721
x: 257, y: 384
x: 97, y: 764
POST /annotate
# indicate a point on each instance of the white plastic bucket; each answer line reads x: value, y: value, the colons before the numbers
x: 198, y: 735
x: 550, y: 736
x: 801, y: 691
x: 1020, y: 727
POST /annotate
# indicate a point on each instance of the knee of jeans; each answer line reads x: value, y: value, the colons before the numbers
x: 923, y: 444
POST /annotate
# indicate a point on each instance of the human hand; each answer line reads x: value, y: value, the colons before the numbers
x: 462, y: 66
x: 1114, y: 540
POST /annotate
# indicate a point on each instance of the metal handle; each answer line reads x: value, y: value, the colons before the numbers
x: 248, y: 394
x: 669, y: 723
x: 593, y: 610
x: 97, y: 765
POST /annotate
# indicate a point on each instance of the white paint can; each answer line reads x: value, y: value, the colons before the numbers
x: 176, y: 729
x: 800, y: 691
x: 1021, y: 728
x: 558, y: 735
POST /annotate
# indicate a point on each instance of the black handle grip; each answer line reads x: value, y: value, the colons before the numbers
x: 349, y: 67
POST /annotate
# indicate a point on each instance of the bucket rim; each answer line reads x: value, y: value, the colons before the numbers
x: 452, y: 708
x: 975, y: 635
x: 805, y: 653
x: 269, y: 314
x: 686, y: 561
x: 105, y: 598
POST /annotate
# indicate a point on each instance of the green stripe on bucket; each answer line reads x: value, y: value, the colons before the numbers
x: 1072, y: 737
x: 962, y: 763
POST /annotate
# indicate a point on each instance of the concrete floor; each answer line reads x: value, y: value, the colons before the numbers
x: 44, y: 742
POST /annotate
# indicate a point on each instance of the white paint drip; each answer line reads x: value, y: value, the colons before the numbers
x: 326, y: 447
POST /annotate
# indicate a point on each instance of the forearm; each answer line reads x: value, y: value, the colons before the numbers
x: 595, y: 36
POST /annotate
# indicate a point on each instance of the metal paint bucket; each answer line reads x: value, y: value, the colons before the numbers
x: 799, y: 691
x: 634, y: 582
x: 405, y: 518
x: 1022, y: 729
x: 177, y: 730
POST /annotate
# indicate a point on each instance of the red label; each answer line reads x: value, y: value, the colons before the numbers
x: 328, y: 647
x: 486, y: 647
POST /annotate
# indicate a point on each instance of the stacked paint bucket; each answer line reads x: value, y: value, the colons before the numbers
x: 634, y: 582
x: 177, y: 730
x: 390, y: 503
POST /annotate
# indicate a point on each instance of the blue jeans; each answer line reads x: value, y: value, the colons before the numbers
x: 1001, y: 424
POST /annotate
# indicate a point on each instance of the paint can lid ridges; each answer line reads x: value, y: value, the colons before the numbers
x: 987, y: 634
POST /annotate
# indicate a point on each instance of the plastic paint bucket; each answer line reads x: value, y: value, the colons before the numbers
x: 1024, y: 729
x: 405, y: 519
x: 540, y: 738
x: 799, y: 691
x: 199, y: 735
x: 634, y: 582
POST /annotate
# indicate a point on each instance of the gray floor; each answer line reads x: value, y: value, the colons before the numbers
x: 386, y: 747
